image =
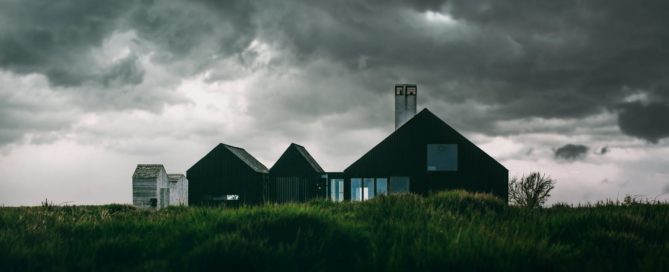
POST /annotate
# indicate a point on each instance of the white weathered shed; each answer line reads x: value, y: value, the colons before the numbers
x: 150, y: 187
x: 178, y: 185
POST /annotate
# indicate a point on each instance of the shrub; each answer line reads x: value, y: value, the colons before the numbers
x: 530, y: 191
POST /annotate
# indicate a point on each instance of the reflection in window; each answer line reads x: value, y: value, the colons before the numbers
x: 368, y: 189
x: 442, y: 157
x: 232, y: 197
x: 399, y: 185
x: 337, y: 190
x: 399, y: 90
x: 356, y: 189
x: 411, y: 90
x: 381, y: 186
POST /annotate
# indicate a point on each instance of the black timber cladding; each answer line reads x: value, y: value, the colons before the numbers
x: 296, y: 176
x: 404, y: 153
x: 227, y: 171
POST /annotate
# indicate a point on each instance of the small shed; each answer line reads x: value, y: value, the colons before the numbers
x: 150, y: 186
x: 296, y: 176
x: 178, y: 185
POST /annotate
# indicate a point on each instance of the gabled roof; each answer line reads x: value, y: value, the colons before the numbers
x: 294, y: 158
x: 247, y: 158
x: 175, y: 177
x: 148, y: 170
x: 424, y: 121
x: 303, y: 151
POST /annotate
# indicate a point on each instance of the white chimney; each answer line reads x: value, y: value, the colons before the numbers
x: 405, y: 103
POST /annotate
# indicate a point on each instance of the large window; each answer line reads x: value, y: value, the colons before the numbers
x: 381, y: 186
x: 337, y: 190
x: 368, y: 188
x: 399, y: 185
x: 356, y: 189
x: 442, y: 157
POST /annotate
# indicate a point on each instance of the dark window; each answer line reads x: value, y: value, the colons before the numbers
x: 153, y: 202
x: 442, y: 157
x: 399, y: 185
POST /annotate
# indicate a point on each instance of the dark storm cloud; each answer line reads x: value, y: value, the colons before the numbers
x: 571, y: 152
x: 520, y: 59
x: 55, y: 38
x: 559, y: 59
x: 65, y: 41
x: 646, y: 121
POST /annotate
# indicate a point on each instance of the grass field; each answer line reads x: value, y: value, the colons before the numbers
x: 446, y: 231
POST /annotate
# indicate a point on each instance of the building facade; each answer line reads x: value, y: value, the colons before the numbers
x: 150, y: 186
x: 228, y: 175
x: 296, y: 176
x: 178, y: 185
x: 423, y: 155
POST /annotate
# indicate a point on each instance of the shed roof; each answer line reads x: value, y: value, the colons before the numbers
x: 247, y: 158
x: 175, y: 177
x: 148, y: 170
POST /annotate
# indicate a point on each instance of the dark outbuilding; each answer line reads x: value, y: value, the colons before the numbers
x: 296, y: 176
x: 228, y: 175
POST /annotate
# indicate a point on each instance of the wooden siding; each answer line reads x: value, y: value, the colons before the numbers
x: 142, y: 192
x: 179, y: 192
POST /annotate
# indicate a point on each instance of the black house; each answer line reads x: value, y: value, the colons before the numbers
x: 227, y: 175
x: 296, y: 176
x: 423, y: 155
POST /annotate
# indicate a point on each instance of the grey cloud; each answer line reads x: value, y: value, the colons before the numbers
x: 645, y: 121
x: 55, y: 38
x: 125, y: 71
x: 567, y: 59
x: 603, y: 150
x: 518, y: 59
x: 665, y: 189
x: 28, y: 107
x: 58, y: 39
x: 571, y: 152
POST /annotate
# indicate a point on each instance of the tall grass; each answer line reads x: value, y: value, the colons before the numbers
x: 446, y: 231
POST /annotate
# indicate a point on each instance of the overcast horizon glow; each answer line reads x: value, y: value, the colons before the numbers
x: 576, y: 90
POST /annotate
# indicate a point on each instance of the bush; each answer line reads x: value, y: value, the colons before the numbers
x: 531, y: 191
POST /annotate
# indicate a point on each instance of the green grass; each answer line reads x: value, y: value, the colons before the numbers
x: 446, y: 231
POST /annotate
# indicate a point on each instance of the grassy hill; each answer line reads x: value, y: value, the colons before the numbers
x: 446, y: 231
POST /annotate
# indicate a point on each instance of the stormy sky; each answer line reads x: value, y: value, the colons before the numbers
x: 578, y: 90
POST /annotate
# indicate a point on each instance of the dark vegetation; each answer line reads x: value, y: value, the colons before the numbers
x: 530, y: 191
x: 445, y: 231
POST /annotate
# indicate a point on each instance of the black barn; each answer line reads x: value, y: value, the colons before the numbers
x: 296, y: 176
x: 227, y: 175
x: 423, y: 155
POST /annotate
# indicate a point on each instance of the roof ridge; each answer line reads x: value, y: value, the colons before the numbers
x: 247, y: 158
